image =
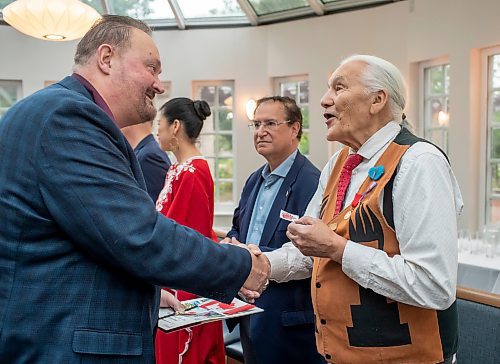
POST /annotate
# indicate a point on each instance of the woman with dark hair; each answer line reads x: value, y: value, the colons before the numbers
x: 187, y: 198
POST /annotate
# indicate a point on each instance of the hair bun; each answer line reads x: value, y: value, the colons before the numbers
x: 202, y: 109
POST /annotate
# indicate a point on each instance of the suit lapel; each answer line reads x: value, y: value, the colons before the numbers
x: 280, y: 201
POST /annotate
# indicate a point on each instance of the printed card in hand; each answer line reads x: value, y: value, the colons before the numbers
x: 201, y: 310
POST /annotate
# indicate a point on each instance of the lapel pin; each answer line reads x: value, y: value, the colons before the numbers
x: 376, y: 172
x: 359, y: 197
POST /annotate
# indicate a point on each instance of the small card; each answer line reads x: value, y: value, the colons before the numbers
x: 288, y: 216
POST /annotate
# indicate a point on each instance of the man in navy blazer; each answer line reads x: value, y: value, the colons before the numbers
x: 284, y: 332
x: 82, y: 247
x: 154, y: 162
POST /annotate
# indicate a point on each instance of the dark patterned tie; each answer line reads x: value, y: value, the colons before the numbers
x: 351, y: 162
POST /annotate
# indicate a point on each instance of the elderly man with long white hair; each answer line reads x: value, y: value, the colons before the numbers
x: 380, y: 235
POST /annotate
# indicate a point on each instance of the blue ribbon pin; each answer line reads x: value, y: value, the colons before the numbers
x: 376, y: 172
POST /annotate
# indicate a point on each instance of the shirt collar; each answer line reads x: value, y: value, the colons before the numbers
x: 283, y: 169
x: 98, y: 99
x: 378, y: 140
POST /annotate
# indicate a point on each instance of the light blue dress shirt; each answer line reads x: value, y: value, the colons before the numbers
x: 265, y: 198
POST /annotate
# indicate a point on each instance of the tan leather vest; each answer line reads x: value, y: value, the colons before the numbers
x: 354, y: 324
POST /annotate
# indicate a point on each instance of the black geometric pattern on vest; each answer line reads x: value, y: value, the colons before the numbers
x: 376, y: 322
x: 367, y: 229
x: 323, y: 206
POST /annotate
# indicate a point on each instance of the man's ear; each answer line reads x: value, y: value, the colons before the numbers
x: 295, y: 129
x: 104, y: 54
x: 380, y: 100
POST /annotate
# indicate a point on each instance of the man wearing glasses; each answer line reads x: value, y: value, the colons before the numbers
x: 274, y: 195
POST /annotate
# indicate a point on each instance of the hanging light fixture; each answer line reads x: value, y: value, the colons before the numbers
x: 55, y: 20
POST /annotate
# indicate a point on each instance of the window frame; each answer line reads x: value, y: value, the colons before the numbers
x: 278, y: 81
x: 19, y: 93
x: 227, y: 207
x: 426, y: 128
x: 486, y: 121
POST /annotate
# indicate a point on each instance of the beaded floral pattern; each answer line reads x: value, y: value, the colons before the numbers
x: 173, y: 174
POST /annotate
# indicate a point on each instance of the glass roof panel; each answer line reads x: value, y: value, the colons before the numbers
x: 4, y: 3
x: 263, y: 7
x: 158, y: 13
x: 209, y: 8
x: 96, y: 4
x: 142, y: 9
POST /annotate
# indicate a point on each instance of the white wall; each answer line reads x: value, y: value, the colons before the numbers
x: 405, y: 33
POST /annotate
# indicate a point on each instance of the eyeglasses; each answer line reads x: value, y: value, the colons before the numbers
x: 266, y: 124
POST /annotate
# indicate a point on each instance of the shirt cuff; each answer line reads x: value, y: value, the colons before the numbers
x: 357, y: 261
x: 279, y: 269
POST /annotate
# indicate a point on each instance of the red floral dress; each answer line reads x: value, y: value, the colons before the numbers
x: 188, y: 198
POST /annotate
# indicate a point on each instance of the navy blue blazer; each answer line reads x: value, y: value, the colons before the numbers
x: 284, y: 332
x: 154, y: 164
x: 82, y: 247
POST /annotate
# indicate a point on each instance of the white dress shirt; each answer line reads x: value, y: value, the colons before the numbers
x: 426, y: 202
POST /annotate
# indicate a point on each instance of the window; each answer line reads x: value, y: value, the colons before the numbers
x: 216, y: 139
x: 436, y: 102
x: 493, y: 137
x: 297, y: 88
x: 10, y: 92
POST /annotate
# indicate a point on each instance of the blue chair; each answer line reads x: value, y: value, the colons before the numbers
x: 479, y: 326
x: 232, y: 343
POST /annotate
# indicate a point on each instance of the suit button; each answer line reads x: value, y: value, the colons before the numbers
x: 318, y: 285
x: 323, y: 322
x: 328, y: 356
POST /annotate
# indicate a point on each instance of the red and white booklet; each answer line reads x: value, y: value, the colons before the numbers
x: 201, y: 310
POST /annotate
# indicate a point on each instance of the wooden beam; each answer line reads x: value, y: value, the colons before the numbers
x: 476, y: 295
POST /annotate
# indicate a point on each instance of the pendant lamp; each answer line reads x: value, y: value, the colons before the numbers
x: 55, y: 20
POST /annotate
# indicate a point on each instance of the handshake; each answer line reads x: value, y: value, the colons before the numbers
x: 258, y: 279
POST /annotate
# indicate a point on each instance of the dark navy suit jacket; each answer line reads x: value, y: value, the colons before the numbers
x: 81, y: 244
x: 154, y: 164
x: 284, y: 332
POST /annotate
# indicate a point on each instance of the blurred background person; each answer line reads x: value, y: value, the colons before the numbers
x: 153, y: 161
x: 187, y: 198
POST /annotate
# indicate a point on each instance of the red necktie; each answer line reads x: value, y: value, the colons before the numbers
x: 350, y: 163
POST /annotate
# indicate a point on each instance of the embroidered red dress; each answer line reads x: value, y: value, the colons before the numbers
x: 188, y: 198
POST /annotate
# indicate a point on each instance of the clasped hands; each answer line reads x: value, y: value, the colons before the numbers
x: 258, y: 279
x: 310, y: 235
